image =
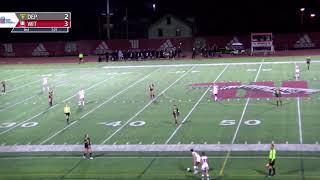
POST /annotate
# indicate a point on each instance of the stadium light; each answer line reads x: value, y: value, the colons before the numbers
x: 302, y: 14
x: 154, y: 6
x: 312, y: 15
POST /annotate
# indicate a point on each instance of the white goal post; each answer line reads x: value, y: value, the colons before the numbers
x: 262, y: 43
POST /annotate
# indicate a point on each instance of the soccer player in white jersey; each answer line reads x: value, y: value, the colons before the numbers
x: 196, y: 161
x: 215, y: 92
x: 81, y: 97
x: 297, y: 72
x: 204, y: 166
x: 45, y: 84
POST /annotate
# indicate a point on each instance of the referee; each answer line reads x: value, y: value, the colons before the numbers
x: 80, y: 58
x: 272, y: 160
x: 67, y: 112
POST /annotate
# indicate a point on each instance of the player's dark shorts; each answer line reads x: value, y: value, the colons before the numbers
x: 174, y: 115
x: 308, y: 62
x: 86, y: 146
x: 272, y: 163
x: 67, y: 114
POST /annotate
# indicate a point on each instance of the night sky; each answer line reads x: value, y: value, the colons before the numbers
x: 212, y: 17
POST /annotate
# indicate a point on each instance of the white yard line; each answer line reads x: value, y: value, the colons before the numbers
x: 108, y: 100
x: 12, y: 105
x: 170, y: 65
x: 153, y: 157
x: 19, y: 87
x: 16, y: 77
x: 19, y: 124
x: 147, y: 105
x: 160, y: 148
x: 299, y: 116
x: 194, y: 107
x: 239, y: 124
x: 244, y: 110
x: 207, y: 64
x: 17, y: 103
x: 97, y: 84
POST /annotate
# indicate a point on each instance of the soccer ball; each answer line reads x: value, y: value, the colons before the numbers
x: 189, y: 169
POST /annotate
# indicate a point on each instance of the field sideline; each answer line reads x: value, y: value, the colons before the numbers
x: 120, y: 117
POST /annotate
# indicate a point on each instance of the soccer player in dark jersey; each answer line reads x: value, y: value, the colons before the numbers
x: 277, y: 94
x: 3, y: 83
x: 87, y: 147
x: 308, y: 61
x: 50, y: 97
x: 151, y: 89
x: 175, y: 113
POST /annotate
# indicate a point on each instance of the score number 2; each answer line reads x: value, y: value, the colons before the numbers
x: 66, y: 16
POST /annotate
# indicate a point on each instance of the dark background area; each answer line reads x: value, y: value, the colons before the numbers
x: 212, y: 17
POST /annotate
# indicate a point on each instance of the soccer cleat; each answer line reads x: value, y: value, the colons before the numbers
x: 83, y: 157
x: 91, y: 157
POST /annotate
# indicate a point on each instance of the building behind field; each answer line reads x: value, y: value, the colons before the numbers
x: 169, y: 26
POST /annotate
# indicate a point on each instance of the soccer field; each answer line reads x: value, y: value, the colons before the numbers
x: 119, y: 112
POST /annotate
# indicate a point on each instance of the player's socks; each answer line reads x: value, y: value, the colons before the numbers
x: 274, y: 171
x: 277, y: 103
x: 270, y: 172
x: 208, y: 177
x: 84, y: 155
x: 82, y: 103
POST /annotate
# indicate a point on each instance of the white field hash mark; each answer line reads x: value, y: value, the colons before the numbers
x: 195, y: 105
x: 299, y: 115
x: 150, y: 102
x: 108, y: 100
x: 19, y: 124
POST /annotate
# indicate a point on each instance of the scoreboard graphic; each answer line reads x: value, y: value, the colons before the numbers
x: 36, y: 22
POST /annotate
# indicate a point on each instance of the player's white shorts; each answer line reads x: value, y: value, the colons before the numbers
x: 198, y: 159
x: 204, y: 167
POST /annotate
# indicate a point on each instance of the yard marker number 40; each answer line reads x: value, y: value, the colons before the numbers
x: 118, y: 123
x: 231, y: 122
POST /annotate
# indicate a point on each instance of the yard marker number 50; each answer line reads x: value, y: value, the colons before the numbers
x: 231, y: 122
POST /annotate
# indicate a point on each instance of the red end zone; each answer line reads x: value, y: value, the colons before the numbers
x: 232, y: 94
